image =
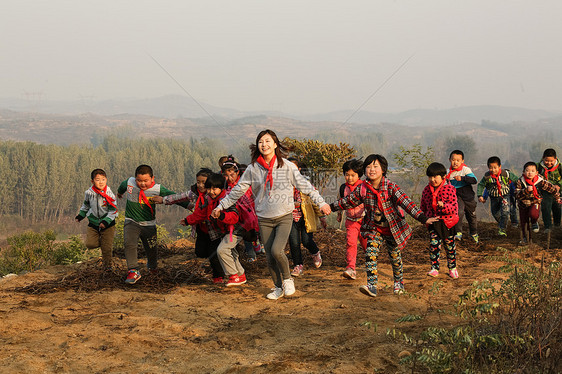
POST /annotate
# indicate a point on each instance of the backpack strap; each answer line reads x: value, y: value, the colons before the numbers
x: 342, y: 190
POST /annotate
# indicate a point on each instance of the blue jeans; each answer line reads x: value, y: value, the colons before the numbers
x: 297, y: 236
x: 500, y: 208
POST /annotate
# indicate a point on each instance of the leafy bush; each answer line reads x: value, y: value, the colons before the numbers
x: 511, y: 327
x: 31, y: 250
x: 66, y: 253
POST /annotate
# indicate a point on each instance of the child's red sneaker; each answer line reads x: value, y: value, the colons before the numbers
x: 218, y: 280
x: 236, y: 280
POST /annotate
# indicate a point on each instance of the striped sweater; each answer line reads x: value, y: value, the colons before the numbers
x: 136, y: 210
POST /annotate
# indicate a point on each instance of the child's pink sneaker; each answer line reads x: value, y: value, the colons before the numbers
x: 297, y: 271
x: 453, y: 273
x: 433, y: 273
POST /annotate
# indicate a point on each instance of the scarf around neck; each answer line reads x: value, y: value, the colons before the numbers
x: 103, y: 193
x: 531, y: 182
x: 497, y: 179
x: 434, y: 193
x: 546, y: 170
x: 269, y: 168
x: 145, y: 200
x: 451, y: 170
x: 380, y: 195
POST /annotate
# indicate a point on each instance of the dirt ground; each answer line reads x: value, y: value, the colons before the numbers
x: 78, y: 319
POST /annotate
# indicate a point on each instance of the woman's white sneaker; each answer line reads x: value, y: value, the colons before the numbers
x: 289, y: 287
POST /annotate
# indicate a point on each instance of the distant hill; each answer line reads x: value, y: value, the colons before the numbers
x: 177, y: 106
x: 445, y: 117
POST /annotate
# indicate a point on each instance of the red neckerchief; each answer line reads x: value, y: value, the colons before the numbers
x: 451, y: 170
x: 531, y: 182
x: 380, y: 196
x: 103, y: 193
x: 145, y: 199
x: 352, y: 187
x: 434, y: 192
x: 269, y: 168
x: 497, y: 178
x: 546, y: 171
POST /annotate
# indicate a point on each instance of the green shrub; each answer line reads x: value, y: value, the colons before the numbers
x: 69, y: 252
x: 31, y: 250
x: 515, y: 326
x: 27, y: 252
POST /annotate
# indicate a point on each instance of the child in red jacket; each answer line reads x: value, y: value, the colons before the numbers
x: 224, y: 232
x: 439, y: 199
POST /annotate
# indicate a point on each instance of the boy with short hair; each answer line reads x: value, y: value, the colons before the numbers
x: 462, y: 178
x: 550, y: 169
x: 497, y: 182
x: 100, y: 209
x: 529, y: 197
x: 140, y: 219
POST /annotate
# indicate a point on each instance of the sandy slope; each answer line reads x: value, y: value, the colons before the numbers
x: 155, y: 327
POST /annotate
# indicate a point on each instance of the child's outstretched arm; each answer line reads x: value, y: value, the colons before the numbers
x: 350, y: 201
x: 480, y: 189
x: 164, y: 192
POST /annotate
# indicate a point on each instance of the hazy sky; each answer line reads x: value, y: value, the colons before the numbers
x: 294, y: 56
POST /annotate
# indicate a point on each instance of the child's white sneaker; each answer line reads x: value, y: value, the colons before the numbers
x: 289, y: 286
x: 275, y: 293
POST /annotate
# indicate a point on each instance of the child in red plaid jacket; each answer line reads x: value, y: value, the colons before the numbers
x: 384, y: 220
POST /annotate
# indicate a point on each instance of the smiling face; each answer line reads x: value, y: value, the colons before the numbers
x: 100, y: 181
x: 549, y: 162
x: 213, y: 192
x: 267, y: 146
x: 530, y: 172
x: 373, y: 172
x: 351, y: 177
x: 200, y: 180
x: 435, y: 180
x: 231, y: 175
x: 144, y: 181
x: 456, y: 161
x: 494, y: 168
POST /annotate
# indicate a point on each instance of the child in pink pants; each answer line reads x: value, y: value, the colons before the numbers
x: 352, y: 171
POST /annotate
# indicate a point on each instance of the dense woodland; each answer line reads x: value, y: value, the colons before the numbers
x: 47, y: 182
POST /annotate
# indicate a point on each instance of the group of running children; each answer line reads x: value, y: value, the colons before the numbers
x: 271, y: 202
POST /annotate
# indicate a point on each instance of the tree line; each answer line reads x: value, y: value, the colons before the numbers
x: 47, y: 182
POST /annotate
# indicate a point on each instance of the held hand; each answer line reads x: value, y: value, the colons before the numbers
x: 323, y: 222
x: 216, y: 212
x: 182, y: 222
x: 530, y: 188
x: 440, y: 204
x: 481, y: 199
x: 77, y: 220
x: 157, y: 199
x: 458, y: 177
x: 102, y: 226
x: 431, y: 220
x: 557, y: 188
x: 326, y: 209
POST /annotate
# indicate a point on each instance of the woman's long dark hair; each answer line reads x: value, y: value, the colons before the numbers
x: 280, y: 152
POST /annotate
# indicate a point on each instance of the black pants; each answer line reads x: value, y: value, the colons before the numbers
x: 207, y: 248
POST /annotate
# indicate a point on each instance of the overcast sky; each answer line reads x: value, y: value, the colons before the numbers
x: 293, y: 56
